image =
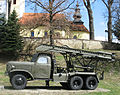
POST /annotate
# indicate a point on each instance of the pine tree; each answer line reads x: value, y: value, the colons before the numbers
x: 11, y: 41
x: 2, y: 32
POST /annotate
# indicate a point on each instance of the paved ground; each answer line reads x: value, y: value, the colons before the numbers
x: 56, y: 90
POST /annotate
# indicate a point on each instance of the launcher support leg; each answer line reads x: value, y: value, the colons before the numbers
x: 47, y: 83
x: 102, y: 75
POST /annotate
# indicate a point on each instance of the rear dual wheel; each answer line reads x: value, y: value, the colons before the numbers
x: 76, y: 83
x: 91, y: 83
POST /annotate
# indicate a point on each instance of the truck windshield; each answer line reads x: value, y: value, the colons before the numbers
x: 42, y: 60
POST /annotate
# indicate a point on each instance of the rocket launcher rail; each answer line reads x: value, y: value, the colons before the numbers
x: 66, y: 49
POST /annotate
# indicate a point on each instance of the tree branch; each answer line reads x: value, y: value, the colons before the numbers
x: 39, y: 4
x: 85, y: 3
x: 105, y: 3
x: 59, y: 4
x: 64, y: 8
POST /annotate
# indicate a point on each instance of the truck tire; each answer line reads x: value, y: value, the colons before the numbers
x: 18, y: 81
x: 91, y: 83
x: 64, y: 85
x: 76, y: 83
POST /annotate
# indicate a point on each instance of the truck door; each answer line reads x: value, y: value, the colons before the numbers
x: 42, y: 67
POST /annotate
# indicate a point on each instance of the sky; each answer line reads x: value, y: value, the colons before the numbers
x: 99, y: 12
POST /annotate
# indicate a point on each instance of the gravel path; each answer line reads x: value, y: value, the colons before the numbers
x: 47, y: 91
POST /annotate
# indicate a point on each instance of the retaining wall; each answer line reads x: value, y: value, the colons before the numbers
x: 32, y: 43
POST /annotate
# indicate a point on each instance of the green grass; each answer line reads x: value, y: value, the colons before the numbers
x: 111, y: 82
x: 4, y: 80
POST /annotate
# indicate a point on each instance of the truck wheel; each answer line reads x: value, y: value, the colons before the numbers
x: 18, y: 81
x: 76, y: 83
x: 64, y: 85
x: 91, y: 83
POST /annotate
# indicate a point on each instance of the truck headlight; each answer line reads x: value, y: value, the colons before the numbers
x: 13, y: 66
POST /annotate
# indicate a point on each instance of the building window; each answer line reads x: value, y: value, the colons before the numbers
x: 14, y: 1
x: 32, y: 34
x: 46, y: 34
x: 75, y: 37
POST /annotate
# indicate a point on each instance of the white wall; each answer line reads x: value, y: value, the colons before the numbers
x: 19, y: 7
x: 3, y: 8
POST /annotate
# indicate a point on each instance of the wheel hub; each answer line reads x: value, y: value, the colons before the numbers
x: 19, y: 81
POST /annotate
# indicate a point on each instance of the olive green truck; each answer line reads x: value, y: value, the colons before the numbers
x: 80, y: 71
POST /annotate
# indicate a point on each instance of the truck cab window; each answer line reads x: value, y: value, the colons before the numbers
x: 42, y: 60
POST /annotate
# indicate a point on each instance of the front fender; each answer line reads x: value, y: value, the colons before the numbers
x: 21, y: 71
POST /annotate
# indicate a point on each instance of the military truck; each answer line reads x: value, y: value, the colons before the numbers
x: 77, y: 74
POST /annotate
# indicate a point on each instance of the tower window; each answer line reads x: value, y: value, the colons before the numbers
x: 14, y: 1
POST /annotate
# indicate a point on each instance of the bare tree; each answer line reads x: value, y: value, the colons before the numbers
x: 108, y: 4
x: 90, y: 14
x: 53, y: 7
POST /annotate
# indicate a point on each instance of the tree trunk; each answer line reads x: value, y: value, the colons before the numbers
x: 91, y: 25
x: 90, y: 14
x: 109, y: 25
x: 9, y: 7
x: 51, y: 30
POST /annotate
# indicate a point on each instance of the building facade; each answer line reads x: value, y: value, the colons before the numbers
x: 76, y: 29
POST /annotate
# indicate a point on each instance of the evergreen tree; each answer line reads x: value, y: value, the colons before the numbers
x: 11, y: 41
x: 2, y: 32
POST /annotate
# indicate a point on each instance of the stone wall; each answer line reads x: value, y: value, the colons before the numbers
x: 32, y: 43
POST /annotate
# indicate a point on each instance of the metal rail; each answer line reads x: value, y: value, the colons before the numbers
x: 65, y: 49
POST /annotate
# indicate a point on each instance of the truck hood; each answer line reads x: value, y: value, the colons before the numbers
x: 19, y: 65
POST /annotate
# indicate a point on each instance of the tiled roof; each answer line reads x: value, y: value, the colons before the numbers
x: 37, y: 17
x: 42, y: 19
x: 78, y: 27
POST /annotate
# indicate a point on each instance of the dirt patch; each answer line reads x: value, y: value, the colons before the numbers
x: 56, y: 90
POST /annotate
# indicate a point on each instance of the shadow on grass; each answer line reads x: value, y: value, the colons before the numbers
x: 37, y: 87
x: 42, y: 87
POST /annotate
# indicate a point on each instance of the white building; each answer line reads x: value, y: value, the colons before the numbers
x: 18, y: 5
x: 3, y: 8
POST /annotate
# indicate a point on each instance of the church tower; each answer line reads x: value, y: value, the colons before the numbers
x: 77, y: 16
x: 19, y: 6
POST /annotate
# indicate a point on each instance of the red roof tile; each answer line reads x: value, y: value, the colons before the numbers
x: 42, y: 19
x: 36, y: 17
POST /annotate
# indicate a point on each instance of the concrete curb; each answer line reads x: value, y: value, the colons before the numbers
x: 1, y: 87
